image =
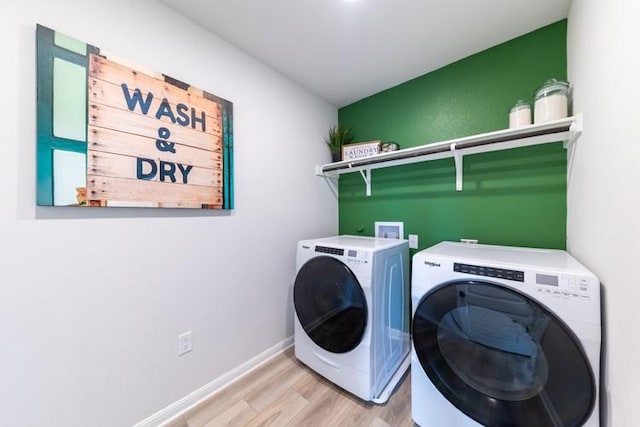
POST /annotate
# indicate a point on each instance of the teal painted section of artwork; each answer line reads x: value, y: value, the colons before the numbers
x: 44, y: 176
x: 46, y: 52
x: 226, y: 108
x: 227, y: 120
x: 70, y: 43
x: 512, y: 197
x: 69, y: 100
x: 69, y: 174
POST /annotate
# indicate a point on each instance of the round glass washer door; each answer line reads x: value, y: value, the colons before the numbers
x: 330, y: 304
x: 502, y: 358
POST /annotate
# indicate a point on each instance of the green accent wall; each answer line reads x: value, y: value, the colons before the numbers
x: 511, y: 197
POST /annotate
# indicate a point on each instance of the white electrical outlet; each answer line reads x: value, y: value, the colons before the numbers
x: 469, y: 240
x: 185, y: 343
x: 413, y: 241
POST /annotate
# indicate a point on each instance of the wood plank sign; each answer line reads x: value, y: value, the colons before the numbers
x: 359, y: 150
x: 149, y: 140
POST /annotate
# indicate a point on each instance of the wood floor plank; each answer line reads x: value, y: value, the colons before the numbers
x: 178, y: 422
x: 220, y: 402
x: 237, y: 415
x: 268, y: 392
x: 231, y: 394
x: 310, y: 385
x: 280, y: 412
x: 319, y: 410
x: 377, y: 422
x: 350, y: 413
x: 285, y: 392
x: 395, y: 411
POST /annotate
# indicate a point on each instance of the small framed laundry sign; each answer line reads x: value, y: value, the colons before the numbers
x: 360, y: 149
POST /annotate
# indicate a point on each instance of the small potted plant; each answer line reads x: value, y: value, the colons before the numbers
x: 336, y: 139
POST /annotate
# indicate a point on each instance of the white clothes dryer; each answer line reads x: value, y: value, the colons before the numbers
x: 504, y: 336
x: 352, y: 303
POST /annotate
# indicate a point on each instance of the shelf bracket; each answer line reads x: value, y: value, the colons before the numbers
x: 333, y: 184
x: 366, y: 175
x: 575, y: 130
x: 457, y: 158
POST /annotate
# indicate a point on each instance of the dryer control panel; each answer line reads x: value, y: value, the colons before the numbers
x: 352, y: 257
x: 329, y: 250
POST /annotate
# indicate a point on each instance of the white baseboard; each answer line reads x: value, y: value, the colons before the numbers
x: 173, y: 411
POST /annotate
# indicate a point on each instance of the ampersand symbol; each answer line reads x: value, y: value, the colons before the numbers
x: 162, y: 144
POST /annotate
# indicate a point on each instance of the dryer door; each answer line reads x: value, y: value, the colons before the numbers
x: 501, y: 358
x: 330, y: 304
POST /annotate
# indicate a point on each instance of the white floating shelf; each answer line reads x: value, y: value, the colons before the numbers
x: 566, y: 130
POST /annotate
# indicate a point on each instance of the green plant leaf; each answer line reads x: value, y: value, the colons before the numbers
x: 337, y: 138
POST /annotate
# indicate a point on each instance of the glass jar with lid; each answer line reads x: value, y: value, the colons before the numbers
x: 551, y: 101
x: 520, y: 114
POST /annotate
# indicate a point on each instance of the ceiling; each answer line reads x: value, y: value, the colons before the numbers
x: 346, y: 50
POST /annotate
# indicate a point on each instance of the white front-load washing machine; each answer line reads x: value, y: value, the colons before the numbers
x: 352, y: 304
x: 504, y: 336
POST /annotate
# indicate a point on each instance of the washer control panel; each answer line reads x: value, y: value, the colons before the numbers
x: 551, y: 285
x: 480, y: 270
x: 564, y: 287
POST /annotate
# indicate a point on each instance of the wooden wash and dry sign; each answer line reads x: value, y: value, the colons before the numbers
x: 151, y: 143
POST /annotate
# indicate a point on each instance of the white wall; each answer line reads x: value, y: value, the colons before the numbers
x: 603, y: 220
x: 92, y: 301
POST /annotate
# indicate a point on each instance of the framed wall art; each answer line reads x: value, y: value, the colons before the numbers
x: 113, y: 134
x: 389, y: 230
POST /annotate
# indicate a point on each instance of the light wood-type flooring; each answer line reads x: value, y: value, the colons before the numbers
x: 284, y: 392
